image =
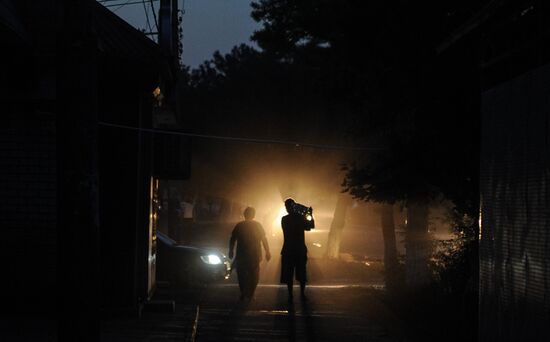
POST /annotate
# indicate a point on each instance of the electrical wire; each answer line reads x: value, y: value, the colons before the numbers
x: 125, y: 4
x: 154, y: 15
x: 239, y: 139
x: 119, y: 5
x: 146, y: 15
x: 143, y: 2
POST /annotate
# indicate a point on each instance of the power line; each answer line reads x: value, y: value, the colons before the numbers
x: 147, y: 15
x: 119, y: 5
x: 154, y: 14
x: 125, y: 4
x: 239, y: 139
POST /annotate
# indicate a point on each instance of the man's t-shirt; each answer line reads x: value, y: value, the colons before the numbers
x: 293, y: 230
x: 249, y: 235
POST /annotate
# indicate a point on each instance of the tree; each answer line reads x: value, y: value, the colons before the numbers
x: 337, y: 226
x: 391, y: 263
x: 380, y: 59
x: 237, y: 88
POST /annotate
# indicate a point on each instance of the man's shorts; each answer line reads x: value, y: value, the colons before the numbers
x: 293, y: 265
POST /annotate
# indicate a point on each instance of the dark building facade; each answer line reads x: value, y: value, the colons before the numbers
x: 78, y: 182
x: 511, y: 41
x: 515, y: 193
x: 28, y: 170
x: 514, y: 302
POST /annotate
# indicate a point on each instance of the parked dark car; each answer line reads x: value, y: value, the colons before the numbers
x: 187, y: 265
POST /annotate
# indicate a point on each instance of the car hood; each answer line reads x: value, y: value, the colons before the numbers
x: 174, y: 246
x: 191, y: 249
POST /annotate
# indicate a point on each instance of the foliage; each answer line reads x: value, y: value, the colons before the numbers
x: 379, y: 59
x: 447, y: 309
x: 374, y: 64
x: 452, y: 265
x: 455, y: 262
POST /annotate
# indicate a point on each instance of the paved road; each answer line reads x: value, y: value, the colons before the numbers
x: 161, y: 325
x: 332, y: 313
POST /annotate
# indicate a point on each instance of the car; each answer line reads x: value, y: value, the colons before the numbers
x: 189, y: 265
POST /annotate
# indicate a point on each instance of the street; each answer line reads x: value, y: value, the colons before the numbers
x: 331, y: 313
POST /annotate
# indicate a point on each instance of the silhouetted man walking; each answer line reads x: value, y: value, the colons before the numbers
x: 294, y: 252
x: 249, y: 235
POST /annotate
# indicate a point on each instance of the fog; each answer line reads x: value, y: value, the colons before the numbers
x: 263, y: 175
x: 228, y: 176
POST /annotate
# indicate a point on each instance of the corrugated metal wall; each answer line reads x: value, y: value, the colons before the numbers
x: 515, y: 191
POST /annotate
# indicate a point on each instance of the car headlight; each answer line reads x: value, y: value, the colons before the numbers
x: 211, y: 259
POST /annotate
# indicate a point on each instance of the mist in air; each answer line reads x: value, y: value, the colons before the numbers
x: 263, y: 176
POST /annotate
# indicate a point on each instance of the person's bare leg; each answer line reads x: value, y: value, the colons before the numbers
x: 303, y: 290
x: 242, y: 282
x: 289, y: 287
x: 254, y: 280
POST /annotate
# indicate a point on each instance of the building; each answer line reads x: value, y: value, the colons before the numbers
x: 79, y: 174
x: 512, y: 38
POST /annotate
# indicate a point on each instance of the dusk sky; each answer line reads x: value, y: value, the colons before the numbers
x: 208, y: 25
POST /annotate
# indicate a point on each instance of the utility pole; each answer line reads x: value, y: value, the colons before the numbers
x: 168, y: 32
